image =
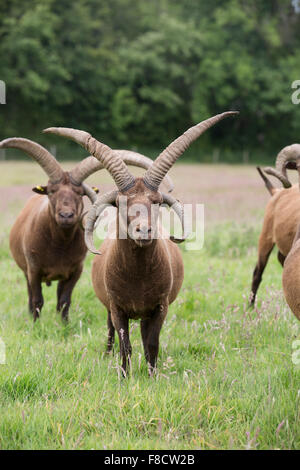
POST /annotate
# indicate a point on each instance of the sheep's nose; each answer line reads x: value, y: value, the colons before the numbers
x: 66, y: 214
x: 144, y: 230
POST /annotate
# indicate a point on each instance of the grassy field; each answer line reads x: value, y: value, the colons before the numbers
x: 225, y: 376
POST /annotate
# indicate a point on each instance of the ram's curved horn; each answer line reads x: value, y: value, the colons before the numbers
x: 154, y: 176
x: 110, y: 160
x: 44, y: 158
x: 179, y: 210
x: 280, y: 176
x: 90, y: 193
x: 286, y: 156
x: 95, y: 211
x: 90, y: 165
x: 134, y: 158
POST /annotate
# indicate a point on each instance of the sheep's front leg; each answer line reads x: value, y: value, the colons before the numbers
x: 36, y: 300
x: 150, y: 330
x: 30, y: 305
x: 111, y: 333
x: 64, y: 293
x: 120, y: 322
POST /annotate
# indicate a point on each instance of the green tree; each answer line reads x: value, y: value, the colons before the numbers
x: 139, y: 73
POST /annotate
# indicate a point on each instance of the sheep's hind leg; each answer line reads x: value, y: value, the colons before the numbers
x: 263, y: 257
x: 150, y: 330
x: 281, y: 258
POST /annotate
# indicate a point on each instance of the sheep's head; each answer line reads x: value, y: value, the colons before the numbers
x: 64, y: 190
x: 145, y: 189
x: 65, y: 200
x: 138, y: 213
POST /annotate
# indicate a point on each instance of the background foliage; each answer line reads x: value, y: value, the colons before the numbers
x: 136, y: 74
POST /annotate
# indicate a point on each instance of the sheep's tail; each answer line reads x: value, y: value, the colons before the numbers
x: 272, y: 189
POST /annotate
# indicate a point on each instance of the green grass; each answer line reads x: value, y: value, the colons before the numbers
x: 225, y: 375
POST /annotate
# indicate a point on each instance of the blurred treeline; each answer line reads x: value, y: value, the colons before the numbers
x: 137, y: 73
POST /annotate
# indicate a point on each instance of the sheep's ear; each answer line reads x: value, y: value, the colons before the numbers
x: 40, y: 190
x: 95, y: 189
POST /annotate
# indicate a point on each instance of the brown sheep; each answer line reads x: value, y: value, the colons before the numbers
x: 291, y: 267
x: 140, y: 275
x: 47, y: 239
x: 282, y: 215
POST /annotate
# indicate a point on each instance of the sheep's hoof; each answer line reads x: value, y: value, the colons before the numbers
x: 65, y: 317
x: 36, y: 314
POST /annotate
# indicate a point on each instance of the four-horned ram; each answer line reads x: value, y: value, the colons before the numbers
x: 138, y: 276
x: 282, y: 215
x: 291, y: 267
x: 47, y: 239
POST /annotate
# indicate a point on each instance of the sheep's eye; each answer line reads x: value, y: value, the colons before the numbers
x: 77, y: 191
x: 155, y: 200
